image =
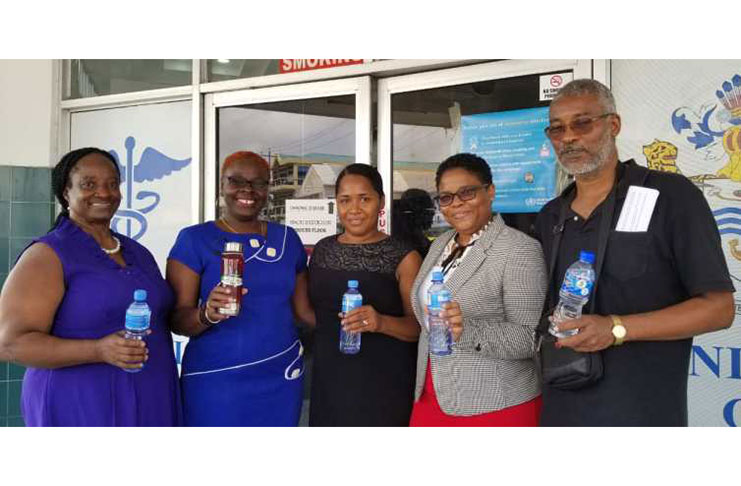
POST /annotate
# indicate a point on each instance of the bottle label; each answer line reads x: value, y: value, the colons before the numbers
x: 231, y: 280
x: 137, y: 322
x: 231, y: 309
x: 437, y: 299
x: 575, y: 285
x: 351, y: 301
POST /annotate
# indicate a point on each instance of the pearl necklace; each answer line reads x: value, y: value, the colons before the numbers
x: 115, y: 249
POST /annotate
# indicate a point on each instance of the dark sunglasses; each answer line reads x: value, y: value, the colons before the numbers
x: 579, y: 126
x: 240, y: 183
x: 464, y: 194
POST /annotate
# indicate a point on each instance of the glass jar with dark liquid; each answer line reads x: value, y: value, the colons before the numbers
x: 232, y: 269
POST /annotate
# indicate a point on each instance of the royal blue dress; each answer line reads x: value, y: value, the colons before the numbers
x: 246, y: 370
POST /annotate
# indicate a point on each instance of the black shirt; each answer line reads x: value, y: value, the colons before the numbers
x: 679, y: 257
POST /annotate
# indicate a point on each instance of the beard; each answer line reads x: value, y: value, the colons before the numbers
x: 597, y: 160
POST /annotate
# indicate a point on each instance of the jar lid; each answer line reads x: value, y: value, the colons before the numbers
x: 233, y: 247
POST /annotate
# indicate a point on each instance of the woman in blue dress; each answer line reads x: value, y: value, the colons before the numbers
x: 245, y: 370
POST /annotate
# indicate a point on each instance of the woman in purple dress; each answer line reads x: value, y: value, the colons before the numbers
x: 62, y: 312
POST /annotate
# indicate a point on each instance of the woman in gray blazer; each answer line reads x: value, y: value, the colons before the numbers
x: 497, y: 278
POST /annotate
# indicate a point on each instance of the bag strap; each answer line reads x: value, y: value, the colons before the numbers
x: 603, y: 237
x: 633, y: 174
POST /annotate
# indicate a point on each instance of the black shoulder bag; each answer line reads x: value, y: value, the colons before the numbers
x: 564, y: 368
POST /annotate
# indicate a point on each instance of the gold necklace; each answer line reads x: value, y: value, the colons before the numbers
x: 230, y: 228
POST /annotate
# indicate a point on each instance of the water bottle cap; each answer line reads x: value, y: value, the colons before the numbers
x: 586, y: 256
x: 140, y: 295
x: 437, y: 276
x: 352, y: 284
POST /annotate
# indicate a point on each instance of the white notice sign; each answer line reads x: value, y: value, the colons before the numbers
x: 313, y: 219
x: 551, y: 83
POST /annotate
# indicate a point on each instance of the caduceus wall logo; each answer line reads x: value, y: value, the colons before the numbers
x: 153, y: 165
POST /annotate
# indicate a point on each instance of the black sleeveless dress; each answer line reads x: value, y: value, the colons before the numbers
x: 376, y: 386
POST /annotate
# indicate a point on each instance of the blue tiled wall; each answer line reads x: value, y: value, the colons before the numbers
x: 26, y: 211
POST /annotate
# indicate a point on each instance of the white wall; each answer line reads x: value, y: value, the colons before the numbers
x: 26, y: 112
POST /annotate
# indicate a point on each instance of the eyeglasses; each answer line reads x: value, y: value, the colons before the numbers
x: 580, y: 126
x: 464, y: 194
x: 240, y: 183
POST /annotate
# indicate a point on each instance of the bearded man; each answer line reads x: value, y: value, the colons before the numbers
x: 663, y: 276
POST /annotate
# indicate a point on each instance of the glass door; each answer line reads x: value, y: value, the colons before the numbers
x: 307, y: 133
x: 496, y: 110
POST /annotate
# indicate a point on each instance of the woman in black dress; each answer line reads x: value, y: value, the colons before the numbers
x: 374, y: 387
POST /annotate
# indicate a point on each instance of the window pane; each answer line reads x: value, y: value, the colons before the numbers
x: 307, y: 143
x: 427, y: 130
x: 226, y: 69
x: 96, y: 77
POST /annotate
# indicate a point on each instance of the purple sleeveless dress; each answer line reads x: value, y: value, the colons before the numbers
x: 97, y: 293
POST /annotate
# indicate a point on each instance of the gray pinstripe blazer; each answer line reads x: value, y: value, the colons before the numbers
x: 500, y: 286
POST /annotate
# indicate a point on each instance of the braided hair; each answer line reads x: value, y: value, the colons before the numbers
x: 60, y: 175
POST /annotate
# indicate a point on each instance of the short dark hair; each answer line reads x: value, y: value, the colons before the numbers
x: 470, y: 162
x: 365, y: 170
x: 585, y: 87
x: 60, y: 174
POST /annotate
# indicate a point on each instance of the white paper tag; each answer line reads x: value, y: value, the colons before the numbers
x: 637, y: 210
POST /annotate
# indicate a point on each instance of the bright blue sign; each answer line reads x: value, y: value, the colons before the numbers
x: 522, y: 161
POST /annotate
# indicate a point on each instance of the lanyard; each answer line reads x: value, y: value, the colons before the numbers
x: 454, y: 256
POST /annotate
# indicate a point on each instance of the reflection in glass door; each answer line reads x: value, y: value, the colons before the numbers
x: 307, y: 133
x: 492, y: 110
x: 306, y: 142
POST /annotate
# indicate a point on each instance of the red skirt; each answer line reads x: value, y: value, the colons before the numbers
x: 427, y: 412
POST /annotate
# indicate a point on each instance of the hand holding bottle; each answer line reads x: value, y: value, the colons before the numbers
x: 454, y: 317
x: 116, y: 350
x: 219, y: 298
x: 362, y: 319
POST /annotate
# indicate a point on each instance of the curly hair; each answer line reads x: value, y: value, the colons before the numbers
x: 60, y: 175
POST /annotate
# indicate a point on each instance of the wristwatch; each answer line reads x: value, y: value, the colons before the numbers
x: 618, y: 330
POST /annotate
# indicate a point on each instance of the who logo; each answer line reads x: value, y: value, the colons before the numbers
x: 153, y: 165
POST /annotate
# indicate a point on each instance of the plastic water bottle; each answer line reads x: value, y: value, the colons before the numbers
x: 575, y: 290
x: 351, y: 299
x: 441, y: 341
x: 138, y: 317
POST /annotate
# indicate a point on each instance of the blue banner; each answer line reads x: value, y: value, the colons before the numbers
x: 522, y: 161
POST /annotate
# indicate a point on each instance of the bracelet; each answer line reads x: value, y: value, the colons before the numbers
x: 204, y: 312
